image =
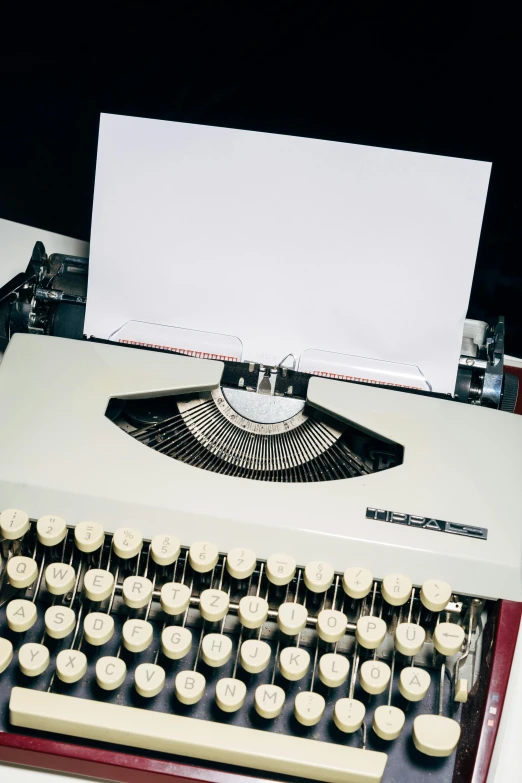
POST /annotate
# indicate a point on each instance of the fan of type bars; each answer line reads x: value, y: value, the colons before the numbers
x: 291, y: 443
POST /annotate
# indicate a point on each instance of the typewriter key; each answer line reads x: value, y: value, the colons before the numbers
x: 21, y: 571
x: 241, y: 563
x: 388, y: 722
x: 309, y: 707
x: 189, y: 686
x: 13, y: 523
x: 110, y: 672
x: 88, y: 536
x: 59, y: 621
x: 349, y: 715
x: 71, y: 665
x: 414, y: 683
x: 33, y: 659
x: 375, y: 676
x: 230, y: 694
x: 20, y: 615
x: 269, y: 700
x: 6, y: 654
x: 149, y: 679
x: 59, y: 578
x: 333, y: 669
x: 51, y: 530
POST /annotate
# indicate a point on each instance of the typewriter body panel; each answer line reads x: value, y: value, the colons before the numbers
x: 445, y: 474
x: 436, y: 515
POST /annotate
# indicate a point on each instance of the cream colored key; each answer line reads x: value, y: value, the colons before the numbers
x: 375, y: 676
x: 331, y: 625
x: 98, y: 628
x: 230, y: 694
x: 253, y: 611
x: 213, y: 604
x: 21, y: 571
x: 448, y: 638
x: 333, y: 669
x: 137, y: 591
x: 149, y: 679
x: 6, y: 653
x: 241, y: 563
x: 309, y: 707
x: 291, y: 618
x: 388, y: 722
x: 280, y: 569
x: 203, y: 556
x: 294, y: 662
x: 216, y: 649
x: 98, y: 584
x: 269, y: 700
x: 174, y: 597
x: 137, y: 635
x: 175, y: 641
x: 110, y: 672
x: 160, y: 732
x: 396, y: 589
x: 255, y: 655
x: 20, y: 615
x: 59, y: 578
x: 414, y: 683
x: 13, y: 523
x: 349, y: 715
x: 88, y: 536
x: 189, y: 686
x: 33, y: 659
x: 51, y: 530
x: 71, y: 665
x: 357, y: 582
x: 409, y: 638
x: 60, y: 621
x: 435, y: 735
x: 435, y: 595
x: 318, y: 576
x: 461, y: 690
x: 370, y: 631
x: 127, y: 542
x: 165, y: 549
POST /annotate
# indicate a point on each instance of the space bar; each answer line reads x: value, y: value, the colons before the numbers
x: 198, y: 739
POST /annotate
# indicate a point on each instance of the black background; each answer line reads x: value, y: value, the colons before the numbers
x: 441, y: 81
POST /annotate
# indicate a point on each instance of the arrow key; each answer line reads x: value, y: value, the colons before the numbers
x: 448, y: 638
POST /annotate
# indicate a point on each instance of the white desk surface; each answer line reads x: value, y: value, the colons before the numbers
x: 16, y: 244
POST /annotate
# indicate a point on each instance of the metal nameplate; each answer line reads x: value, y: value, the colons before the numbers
x: 427, y: 523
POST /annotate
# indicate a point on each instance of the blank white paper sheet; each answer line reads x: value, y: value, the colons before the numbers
x: 288, y: 244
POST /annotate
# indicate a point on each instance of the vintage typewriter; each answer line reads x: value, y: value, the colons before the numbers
x: 212, y: 569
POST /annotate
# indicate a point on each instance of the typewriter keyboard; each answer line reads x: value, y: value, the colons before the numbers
x: 273, y: 665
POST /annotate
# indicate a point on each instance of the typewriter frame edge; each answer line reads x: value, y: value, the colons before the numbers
x: 121, y: 767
